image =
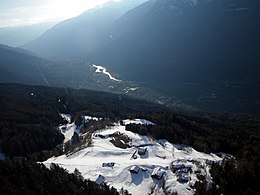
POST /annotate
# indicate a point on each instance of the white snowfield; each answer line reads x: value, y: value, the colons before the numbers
x: 104, y: 162
x: 68, y: 129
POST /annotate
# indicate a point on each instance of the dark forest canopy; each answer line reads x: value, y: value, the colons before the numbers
x: 33, y: 178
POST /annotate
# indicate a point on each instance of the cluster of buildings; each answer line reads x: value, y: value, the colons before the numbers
x: 157, y: 172
x: 182, y: 168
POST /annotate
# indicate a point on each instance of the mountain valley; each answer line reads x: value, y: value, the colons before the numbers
x: 130, y: 97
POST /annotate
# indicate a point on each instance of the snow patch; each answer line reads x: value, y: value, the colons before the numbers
x: 103, y: 70
x: 138, y: 122
x: 69, y: 129
x: 92, y: 118
x: 127, y: 89
x: 66, y: 117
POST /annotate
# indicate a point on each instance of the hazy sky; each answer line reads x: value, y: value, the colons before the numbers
x: 25, y: 12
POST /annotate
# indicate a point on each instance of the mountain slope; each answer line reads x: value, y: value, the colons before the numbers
x: 205, y: 53
x: 180, y: 39
x: 29, y: 115
x: 25, y: 177
x: 31, y: 122
x: 21, y: 66
x: 212, y: 40
x: 82, y: 34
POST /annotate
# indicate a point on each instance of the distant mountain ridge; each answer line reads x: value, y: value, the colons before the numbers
x: 190, y: 39
x: 18, y: 35
x: 209, y: 40
x: 77, y: 36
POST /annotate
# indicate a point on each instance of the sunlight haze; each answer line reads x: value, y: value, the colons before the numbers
x: 19, y: 13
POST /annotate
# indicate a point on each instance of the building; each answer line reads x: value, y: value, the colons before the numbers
x: 135, y: 169
x: 142, y: 151
x: 100, y: 180
x: 183, y: 175
x: 179, y: 164
x: 110, y: 164
x: 157, y: 173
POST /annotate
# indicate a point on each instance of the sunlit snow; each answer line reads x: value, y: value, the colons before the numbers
x: 69, y: 129
x: 137, y: 121
x: 159, y: 155
x: 103, y: 70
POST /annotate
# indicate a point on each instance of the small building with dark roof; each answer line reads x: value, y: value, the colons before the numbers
x: 100, y: 180
x: 135, y: 169
x: 157, y: 173
x: 110, y: 164
x: 183, y: 176
x: 142, y: 151
x: 179, y: 164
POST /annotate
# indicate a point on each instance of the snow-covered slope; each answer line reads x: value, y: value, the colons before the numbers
x: 157, y: 166
x: 70, y: 128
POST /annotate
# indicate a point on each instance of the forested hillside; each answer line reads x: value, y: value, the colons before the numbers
x: 33, y: 178
x: 30, y: 116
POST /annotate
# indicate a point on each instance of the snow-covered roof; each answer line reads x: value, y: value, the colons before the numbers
x: 179, y: 164
x: 142, y: 151
x: 100, y: 180
x: 135, y: 169
x: 157, y: 173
